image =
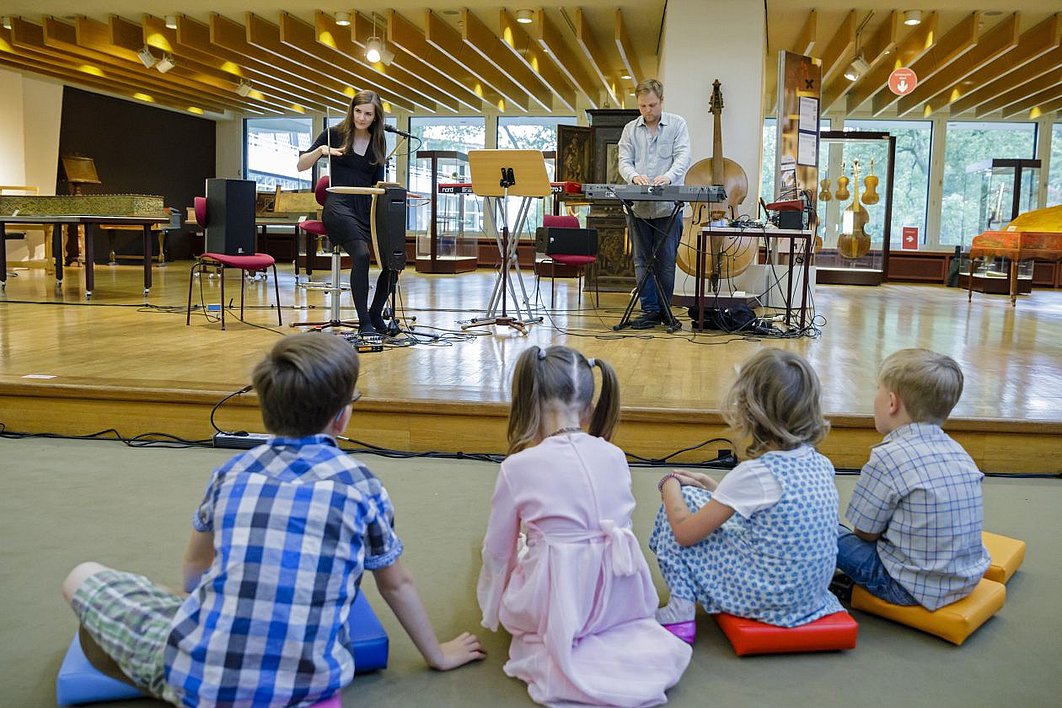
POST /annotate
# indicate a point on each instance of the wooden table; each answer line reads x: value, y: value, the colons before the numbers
x: 91, y: 224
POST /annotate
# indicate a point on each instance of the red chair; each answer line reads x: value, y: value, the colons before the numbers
x: 247, y: 264
x: 581, y: 263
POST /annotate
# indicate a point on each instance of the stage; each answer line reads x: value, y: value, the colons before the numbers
x: 75, y: 367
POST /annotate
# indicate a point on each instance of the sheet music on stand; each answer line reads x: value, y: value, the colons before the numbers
x: 522, y: 174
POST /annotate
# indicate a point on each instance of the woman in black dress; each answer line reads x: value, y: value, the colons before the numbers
x: 359, y: 152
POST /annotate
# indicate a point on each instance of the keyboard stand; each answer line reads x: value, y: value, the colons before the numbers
x: 672, y: 323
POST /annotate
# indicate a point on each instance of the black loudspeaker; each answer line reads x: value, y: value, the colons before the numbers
x: 570, y: 242
x: 230, y: 216
x: 390, y: 226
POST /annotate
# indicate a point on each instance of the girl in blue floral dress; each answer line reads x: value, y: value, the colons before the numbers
x: 762, y: 543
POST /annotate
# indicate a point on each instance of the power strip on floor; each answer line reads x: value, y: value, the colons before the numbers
x: 238, y: 441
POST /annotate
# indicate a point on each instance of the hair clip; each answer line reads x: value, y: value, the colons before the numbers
x: 541, y: 353
x: 591, y: 362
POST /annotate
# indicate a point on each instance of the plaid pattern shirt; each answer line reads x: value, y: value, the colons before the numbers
x: 296, y: 521
x: 666, y: 153
x: 922, y: 492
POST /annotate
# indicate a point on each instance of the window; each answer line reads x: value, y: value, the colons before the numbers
x: 910, y: 189
x: 391, y: 173
x: 459, y: 134
x: 1054, y: 178
x: 271, y: 150
x: 531, y: 134
x: 969, y: 143
x: 770, y: 155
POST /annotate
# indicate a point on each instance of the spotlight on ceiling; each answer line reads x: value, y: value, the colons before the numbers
x: 625, y: 76
x: 525, y: 17
x: 6, y: 22
x: 171, y: 21
x: 857, y: 68
x: 147, y: 58
x: 165, y: 63
x: 374, y: 49
x: 343, y: 19
x: 244, y: 89
x: 386, y: 56
x: 912, y: 17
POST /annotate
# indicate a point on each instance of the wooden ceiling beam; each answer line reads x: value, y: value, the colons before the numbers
x: 266, y: 36
x: 840, y: 47
x: 595, y: 58
x: 876, y: 51
x: 625, y: 47
x: 571, y: 64
x: 943, y: 87
x: 60, y: 39
x: 1030, y: 88
x: 132, y: 37
x: 341, y: 40
x: 198, y: 38
x: 805, y: 41
x: 232, y: 36
x: 1039, y: 102
x: 1037, y: 52
x: 405, y: 34
x: 917, y: 43
x: 959, y: 39
x: 450, y: 43
x: 527, y: 51
x: 362, y: 28
x: 491, y: 49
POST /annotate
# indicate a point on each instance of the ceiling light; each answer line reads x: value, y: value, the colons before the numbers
x: 912, y: 17
x: 6, y: 21
x: 374, y: 49
x: 171, y: 21
x: 525, y: 17
x: 857, y: 68
x: 147, y: 58
x: 166, y: 63
x: 244, y: 89
x: 343, y: 19
x: 386, y: 56
x: 625, y: 77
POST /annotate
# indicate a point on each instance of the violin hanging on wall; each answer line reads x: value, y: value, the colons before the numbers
x: 825, y: 194
x: 842, y: 192
x: 854, y: 241
x: 870, y: 184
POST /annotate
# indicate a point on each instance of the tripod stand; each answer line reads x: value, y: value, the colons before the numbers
x: 523, y: 174
x: 673, y: 324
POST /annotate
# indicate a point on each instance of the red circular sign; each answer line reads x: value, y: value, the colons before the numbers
x: 902, y: 81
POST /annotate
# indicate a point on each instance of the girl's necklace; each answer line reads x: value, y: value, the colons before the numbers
x: 564, y: 431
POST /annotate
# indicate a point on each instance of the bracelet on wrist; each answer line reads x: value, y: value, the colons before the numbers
x: 663, y: 481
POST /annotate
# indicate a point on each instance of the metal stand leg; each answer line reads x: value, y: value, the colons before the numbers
x: 336, y: 291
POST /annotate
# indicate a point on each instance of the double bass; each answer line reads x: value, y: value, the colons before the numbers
x: 854, y: 242
x: 732, y: 254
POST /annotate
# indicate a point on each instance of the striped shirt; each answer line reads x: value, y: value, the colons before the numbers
x: 640, y: 152
x: 922, y: 492
x: 296, y: 522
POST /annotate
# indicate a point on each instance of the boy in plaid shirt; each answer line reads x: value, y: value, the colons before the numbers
x: 281, y: 539
x: 916, y: 509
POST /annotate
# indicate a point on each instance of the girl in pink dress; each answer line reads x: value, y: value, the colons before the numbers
x: 562, y: 571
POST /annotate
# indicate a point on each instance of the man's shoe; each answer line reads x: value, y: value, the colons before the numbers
x: 646, y: 321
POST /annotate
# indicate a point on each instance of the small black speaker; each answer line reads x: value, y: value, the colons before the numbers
x: 570, y: 242
x: 230, y: 216
x: 391, y: 227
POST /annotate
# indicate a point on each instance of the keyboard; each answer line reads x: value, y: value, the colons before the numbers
x: 663, y: 193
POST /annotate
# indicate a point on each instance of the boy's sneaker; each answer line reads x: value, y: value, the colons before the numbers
x: 841, y: 586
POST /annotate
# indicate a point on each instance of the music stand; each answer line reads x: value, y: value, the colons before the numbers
x: 505, y: 173
x: 672, y: 323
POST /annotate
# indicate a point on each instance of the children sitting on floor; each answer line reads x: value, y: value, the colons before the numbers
x: 280, y: 542
x: 916, y: 508
x: 762, y: 542
x: 562, y: 571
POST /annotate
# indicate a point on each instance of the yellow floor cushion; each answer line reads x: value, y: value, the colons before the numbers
x: 954, y: 622
x: 1007, y: 555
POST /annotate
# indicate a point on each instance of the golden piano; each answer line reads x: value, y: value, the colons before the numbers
x: 1034, y: 234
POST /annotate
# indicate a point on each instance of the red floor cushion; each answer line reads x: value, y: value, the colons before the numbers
x: 830, y: 633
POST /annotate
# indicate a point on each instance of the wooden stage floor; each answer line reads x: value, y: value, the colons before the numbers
x: 73, y: 367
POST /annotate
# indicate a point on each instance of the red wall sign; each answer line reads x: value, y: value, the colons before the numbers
x: 902, y: 81
x: 909, y: 240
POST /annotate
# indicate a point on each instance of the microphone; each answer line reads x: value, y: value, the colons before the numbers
x: 388, y: 128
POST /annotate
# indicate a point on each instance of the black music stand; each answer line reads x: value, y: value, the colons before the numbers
x: 673, y: 325
x: 501, y: 174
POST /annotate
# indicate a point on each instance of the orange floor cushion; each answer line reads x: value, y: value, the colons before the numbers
x: 1007, y: 555
x: 830, y: 633
x: 954, y: 622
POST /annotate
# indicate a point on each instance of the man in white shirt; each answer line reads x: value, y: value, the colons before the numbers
x: 654, y: 149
